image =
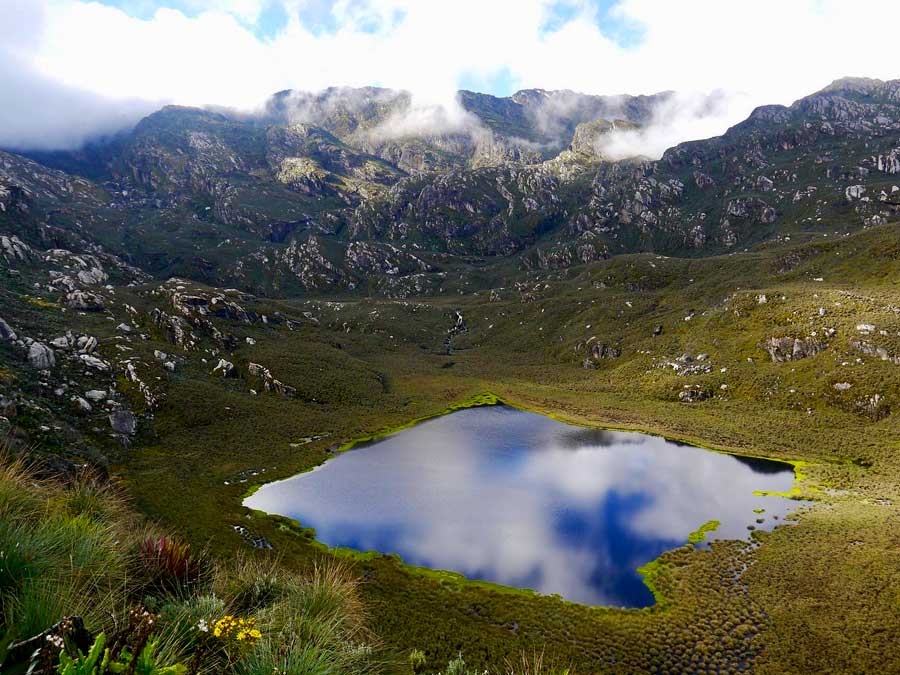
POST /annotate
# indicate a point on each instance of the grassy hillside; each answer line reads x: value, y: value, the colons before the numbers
x: 815, y: 597
x: 364, y: 366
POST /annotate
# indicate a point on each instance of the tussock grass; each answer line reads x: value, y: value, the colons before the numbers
x: 77, y: 550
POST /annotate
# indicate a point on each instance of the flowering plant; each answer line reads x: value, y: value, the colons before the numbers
x: 237, y: 629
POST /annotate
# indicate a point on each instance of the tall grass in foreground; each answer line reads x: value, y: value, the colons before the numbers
x: 98, y: 585
x: 77, y: 550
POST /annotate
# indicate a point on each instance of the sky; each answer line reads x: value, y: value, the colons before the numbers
x: 73, y: 69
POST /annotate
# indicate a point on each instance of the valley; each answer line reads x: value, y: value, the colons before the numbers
x: 207, y: 305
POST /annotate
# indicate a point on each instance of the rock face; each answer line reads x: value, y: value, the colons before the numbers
x: 224, y: 368
x: 13, y: 249
x: 40, y: 356
x: 123, y: 422
x: 588, y: 138
x: 333, y: 191
x: 598, y: 351
x: 6, y: 331
x: 792, y: 349
x: 269, y: 382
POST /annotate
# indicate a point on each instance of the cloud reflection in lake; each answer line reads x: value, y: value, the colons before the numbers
x: 520, y: 499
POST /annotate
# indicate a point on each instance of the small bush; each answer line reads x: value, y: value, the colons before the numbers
x: 184, y: 632
x: 314, y: 626
x: 167, y: 565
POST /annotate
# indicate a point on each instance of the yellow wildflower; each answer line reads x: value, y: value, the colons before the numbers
x: 236, y: 628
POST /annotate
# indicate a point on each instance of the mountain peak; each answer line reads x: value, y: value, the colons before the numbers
x: 885, y: 90
x: 865, y: 85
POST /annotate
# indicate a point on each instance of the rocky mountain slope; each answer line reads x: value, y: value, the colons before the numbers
x: 340, y: 190
x: 211, y: 300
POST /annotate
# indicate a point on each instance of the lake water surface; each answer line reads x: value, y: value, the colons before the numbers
x: 517, y: 498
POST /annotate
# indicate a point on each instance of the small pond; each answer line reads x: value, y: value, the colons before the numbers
x: 519, y: 499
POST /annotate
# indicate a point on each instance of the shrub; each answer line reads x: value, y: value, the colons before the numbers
x: 330, y: 593
x: 184, y: 632
x: 167, y: 565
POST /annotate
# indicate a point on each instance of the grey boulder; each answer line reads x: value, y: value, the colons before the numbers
x: 41, y: 356
x: 6, y: 331
x: 123, y: 422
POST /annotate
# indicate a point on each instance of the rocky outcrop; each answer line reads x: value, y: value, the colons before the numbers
x: 598, y: 351
x: 94, y: 363
x: 40, y: 356
x: 77, y: 269
x: 85, y: 301
x: 81, y: 405
x: 687, y: 364
x: 224, y: 368
x: 6, y: 331
x: 872, y: 350
x: 174, y: 328
x: 270, y: 384
x: 785, y: 349
x: 695, y: 393
x: 123, y: 422
x: 13, y: 249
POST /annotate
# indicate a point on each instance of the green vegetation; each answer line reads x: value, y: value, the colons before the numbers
x: 701, y: 611
x: 639, y: 341
x: 368, y: 367
x: 699, y: 535
x: 88, y: 588
x: 74, y: 561
x: 100, y: 660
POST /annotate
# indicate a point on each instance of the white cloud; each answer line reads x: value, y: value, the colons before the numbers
x: 769, y: 51
x: 684, y: 116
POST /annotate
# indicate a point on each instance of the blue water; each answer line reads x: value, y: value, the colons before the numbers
x: 519, y: 499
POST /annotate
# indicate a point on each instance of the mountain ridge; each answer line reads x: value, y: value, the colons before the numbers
x: 279, y: 193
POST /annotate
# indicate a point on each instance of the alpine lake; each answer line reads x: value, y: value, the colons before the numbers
x: 515, y: 498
